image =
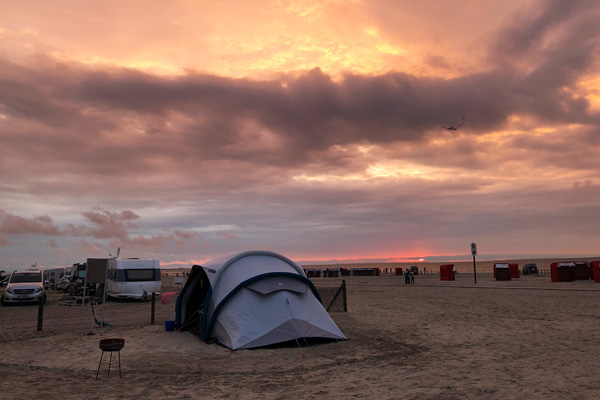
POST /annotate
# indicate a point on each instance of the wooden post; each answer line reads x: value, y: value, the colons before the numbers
x: 344, y: 294
x: 40, y: 315
x: 153, y: 308
x: 474, y: 252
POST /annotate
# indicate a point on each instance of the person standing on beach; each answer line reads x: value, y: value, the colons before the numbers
x: 412, y: 276
x: 406, y: 277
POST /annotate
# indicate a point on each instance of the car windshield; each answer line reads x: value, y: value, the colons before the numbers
x: 24, y: 277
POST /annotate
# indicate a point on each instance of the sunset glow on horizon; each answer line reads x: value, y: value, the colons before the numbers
x: 183, y: 130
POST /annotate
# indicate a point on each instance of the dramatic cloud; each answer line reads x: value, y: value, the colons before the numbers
x: 319, y: 146
x: 109, y: 224
x: 15, y: 225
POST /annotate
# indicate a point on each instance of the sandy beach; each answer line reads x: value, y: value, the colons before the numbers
x: 525, y: 338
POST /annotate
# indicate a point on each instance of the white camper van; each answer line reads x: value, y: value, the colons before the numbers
x: 132, y: 278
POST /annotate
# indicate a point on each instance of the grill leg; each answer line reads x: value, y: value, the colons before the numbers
x: 99, y: 364
x: 109, y: 361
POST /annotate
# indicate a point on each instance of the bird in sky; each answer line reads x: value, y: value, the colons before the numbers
x: 455, y: 128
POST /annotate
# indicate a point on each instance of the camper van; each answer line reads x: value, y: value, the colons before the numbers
x: 53, y: 276
x: 24, y: 287
x: 76, y: 279
x: 132, y: 278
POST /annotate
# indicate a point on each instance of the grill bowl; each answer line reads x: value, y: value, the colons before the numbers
x: 112, y: 344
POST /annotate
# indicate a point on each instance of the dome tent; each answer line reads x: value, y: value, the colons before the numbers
x: 252, y: 299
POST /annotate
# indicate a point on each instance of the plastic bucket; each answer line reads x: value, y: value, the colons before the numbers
x: 169, y: 325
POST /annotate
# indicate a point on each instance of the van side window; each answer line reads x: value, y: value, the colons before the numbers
x: 140, y: 275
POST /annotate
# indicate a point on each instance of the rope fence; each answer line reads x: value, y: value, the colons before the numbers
x: 64, y: 313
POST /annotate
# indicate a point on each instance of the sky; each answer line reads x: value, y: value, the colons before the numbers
x: 182, y: 130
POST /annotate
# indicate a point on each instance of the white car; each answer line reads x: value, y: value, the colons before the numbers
x: 24, y: 287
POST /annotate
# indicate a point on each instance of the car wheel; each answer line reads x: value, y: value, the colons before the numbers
x: 4, y: 303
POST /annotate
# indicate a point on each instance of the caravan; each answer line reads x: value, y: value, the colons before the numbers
x: 132, y: 278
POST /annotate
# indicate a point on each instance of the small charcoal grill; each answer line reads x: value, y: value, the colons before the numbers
x: 110, y: 345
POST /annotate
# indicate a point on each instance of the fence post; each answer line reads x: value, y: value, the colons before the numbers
x: 153, y: 308
x: 40, y: 315
x: 344, y: 294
